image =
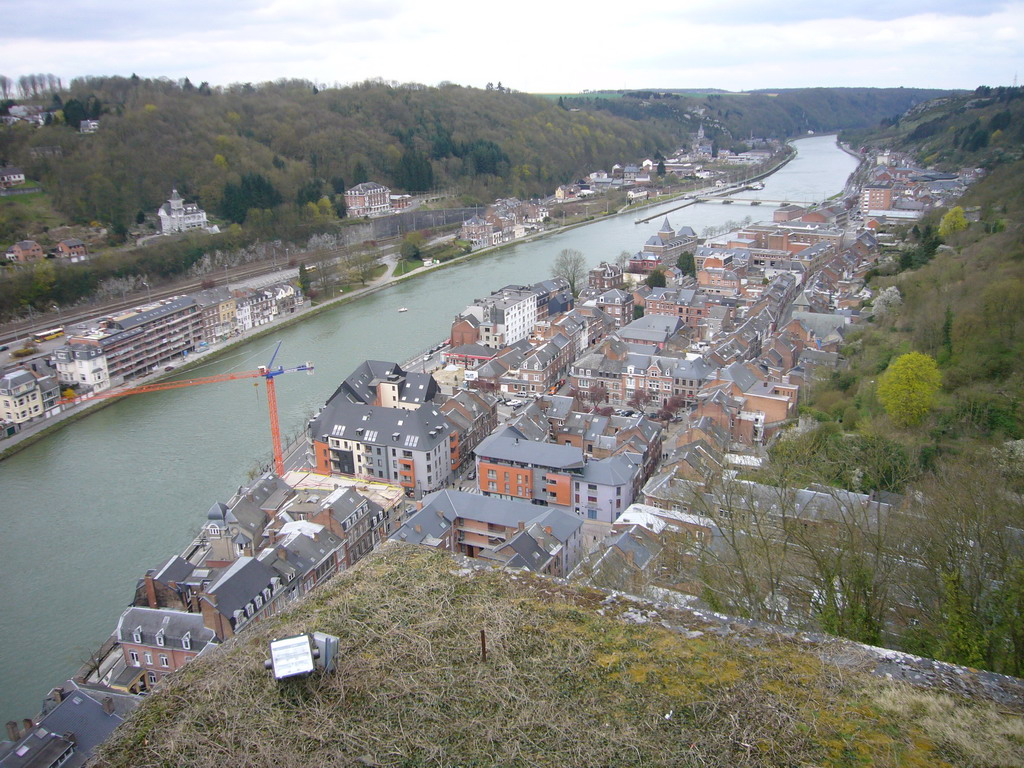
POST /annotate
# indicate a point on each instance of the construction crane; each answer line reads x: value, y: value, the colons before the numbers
x: 267, y: 372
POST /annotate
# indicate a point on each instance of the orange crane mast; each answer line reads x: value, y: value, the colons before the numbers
x: 267, y: 372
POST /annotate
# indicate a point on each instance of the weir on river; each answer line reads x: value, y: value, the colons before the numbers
x: 87, y: 510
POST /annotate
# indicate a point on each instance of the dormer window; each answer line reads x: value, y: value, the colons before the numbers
x: 137, y: 635
x: 160, y: 638
x: 186, y: 641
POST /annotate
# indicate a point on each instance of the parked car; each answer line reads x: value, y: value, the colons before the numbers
x: 4, y: 348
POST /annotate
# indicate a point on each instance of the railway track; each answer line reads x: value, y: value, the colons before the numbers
x: 18, y: 330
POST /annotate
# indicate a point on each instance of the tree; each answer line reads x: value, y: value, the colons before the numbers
x: 571, y: 265
x: 907, y: 388
x: 597, y: 394
x: 304, y: 281
x: 656, y: 279
x: 661, y: 167
x: 409, y: 249
x: 641, y: 397
x: 954, y: 221
x: 686, y: 264
x: 962, y: 640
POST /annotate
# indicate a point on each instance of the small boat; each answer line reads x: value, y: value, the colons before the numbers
x: 403, y: 309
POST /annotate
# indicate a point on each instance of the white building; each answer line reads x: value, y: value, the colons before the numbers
x: 506, y: 316
x: 178, y: 216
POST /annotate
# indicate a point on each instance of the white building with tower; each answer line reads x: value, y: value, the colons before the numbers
x: 178, y: 216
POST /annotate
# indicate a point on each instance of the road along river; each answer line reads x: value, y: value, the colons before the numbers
x: 87, y: 510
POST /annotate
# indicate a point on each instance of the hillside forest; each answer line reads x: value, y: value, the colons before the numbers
x: 948, y: 301
x: 271, y: 161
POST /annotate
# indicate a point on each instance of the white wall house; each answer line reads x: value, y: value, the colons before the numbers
x: 178, y: 216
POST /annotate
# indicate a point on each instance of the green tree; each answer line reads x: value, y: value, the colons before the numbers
x: 410, y: 247
x: 656, y: 279
x: 963, y: 640
x: 571, y: 265
x: 954, y: 221
x: 661, y: 167
x: 304, y: 281
x: 907, y: 388
x: 686, y: 264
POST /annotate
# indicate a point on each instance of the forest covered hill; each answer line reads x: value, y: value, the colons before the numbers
x: 293, y: 143
x: 302, y: 143
x: 730, y: 118
x: 950, y: 289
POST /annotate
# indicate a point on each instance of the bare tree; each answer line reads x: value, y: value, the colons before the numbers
x: 571, y: 265
x: 640, y: 398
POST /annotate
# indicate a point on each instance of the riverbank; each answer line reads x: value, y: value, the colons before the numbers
x: 35, y: 433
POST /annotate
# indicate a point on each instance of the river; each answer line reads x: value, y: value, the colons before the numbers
x: 87, y: 510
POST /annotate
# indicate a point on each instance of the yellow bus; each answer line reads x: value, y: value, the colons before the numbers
x: 52, y: 333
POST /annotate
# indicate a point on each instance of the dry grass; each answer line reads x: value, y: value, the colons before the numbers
x: 975, y: 737
x: 563, y: 685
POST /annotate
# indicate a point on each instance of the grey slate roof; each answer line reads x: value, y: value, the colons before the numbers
x: 448, y: 505
x: 422, y: 429
x: 510, y: 445
x: 174, y: 625
x: 239, y: 583
x: 141, y: 318
x: 361, y: 385
x: 176, y: 569
x: 620, y: 469
x: 81, y: 715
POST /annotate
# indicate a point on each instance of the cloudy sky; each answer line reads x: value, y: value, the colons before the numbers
x: 528, y: 45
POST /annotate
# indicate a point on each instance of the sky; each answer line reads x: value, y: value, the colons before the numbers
x: 533, y: 46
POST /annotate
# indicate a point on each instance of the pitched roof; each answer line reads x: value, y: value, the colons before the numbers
x: 509, y: 444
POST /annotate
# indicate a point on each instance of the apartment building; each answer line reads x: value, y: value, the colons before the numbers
x: 105, y: 352
x: 415, y: 449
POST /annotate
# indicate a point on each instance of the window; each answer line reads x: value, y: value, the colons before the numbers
x: 160, y: 638
x: 164, y: 661
x: 149, y: 657
x: 134, y: 656
x: 186, y: 641
x: 152, y: 678
x: 592, y: 514
x: 137, y: 635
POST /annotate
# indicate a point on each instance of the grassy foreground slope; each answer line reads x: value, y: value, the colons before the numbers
x: 567, y: 682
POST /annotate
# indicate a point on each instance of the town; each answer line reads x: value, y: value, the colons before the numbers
x: 591, y: 426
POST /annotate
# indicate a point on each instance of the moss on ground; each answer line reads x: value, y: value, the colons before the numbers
x: 566, y: 682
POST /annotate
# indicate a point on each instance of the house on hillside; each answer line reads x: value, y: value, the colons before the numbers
x: 73, y: 249
x: 368, y: 199
x: 25, y: 251
x: 178, y: 216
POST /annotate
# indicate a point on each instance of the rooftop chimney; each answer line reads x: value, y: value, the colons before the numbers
x: 28, y: 725
x: 12, y: 730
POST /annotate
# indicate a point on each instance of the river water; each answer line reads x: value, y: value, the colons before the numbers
x: 86, y: 511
